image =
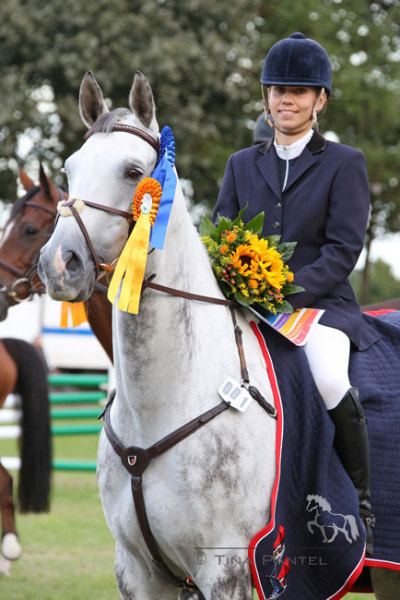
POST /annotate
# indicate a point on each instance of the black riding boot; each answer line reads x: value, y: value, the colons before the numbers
x: 351, y: 444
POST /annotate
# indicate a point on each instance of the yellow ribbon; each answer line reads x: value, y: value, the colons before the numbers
x: 78, y: 313
x: 131, y: 264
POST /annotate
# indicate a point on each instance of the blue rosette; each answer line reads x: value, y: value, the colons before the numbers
x: 165, y: 174
x: 167, y: 145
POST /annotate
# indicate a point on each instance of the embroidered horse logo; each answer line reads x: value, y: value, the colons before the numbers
x: 329, y: 523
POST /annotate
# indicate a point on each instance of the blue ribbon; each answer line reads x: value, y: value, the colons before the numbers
x: 165, y: 175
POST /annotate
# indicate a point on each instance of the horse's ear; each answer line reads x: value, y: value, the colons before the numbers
x: 91, y: 101
x: 141, y: 101
x: 26, y: 181
x: 50, y: 190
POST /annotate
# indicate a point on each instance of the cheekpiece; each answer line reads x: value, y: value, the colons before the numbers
x: 298, y: 60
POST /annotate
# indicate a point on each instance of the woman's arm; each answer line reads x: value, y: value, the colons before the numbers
x: 344, y: 234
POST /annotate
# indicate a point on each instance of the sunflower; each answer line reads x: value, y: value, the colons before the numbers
x: 242, y: 258
x: 249, y: 267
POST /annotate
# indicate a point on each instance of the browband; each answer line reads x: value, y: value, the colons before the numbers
x: 135, y: 131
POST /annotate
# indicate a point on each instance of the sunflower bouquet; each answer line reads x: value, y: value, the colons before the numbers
x: 250, y: 268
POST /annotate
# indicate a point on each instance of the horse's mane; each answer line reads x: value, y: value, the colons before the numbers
x: 320, y: 500
x: 106, y: 122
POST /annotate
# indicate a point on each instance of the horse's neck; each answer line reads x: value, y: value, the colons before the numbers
x: 170, y: 354
x: 183, y: 263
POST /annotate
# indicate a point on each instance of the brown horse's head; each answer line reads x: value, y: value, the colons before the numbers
x: 30, y: 223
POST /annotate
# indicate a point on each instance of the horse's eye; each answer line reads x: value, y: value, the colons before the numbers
x: 134, y: 174
x: 31, y: 230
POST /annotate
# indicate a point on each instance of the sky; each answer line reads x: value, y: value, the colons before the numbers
x: 387, y: 249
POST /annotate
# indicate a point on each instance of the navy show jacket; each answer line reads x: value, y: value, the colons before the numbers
x: 324, y: 208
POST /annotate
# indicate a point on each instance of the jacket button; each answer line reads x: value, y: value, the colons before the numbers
x: 279, y: 205
x: 276, y: 225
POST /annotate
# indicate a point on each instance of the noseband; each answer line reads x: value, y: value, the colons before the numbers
x: 109, y: 209
x: 24, y: 282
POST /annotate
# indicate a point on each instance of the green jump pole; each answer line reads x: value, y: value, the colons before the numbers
x: 84, y: 413
x: 83, y: 379
x: 76, y: 397
x: 74, y: 465
x: 75, y: 429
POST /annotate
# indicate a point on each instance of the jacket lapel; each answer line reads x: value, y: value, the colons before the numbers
x: 307, y: 158
x: 304, y: 162
x: 267, y: 163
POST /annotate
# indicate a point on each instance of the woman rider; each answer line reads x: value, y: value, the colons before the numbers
x: 314, y: 192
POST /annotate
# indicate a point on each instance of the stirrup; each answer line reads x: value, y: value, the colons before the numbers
x: 367, y: 517
x: 368, y: 520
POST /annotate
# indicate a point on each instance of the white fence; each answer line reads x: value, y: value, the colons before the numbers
x: 75, y: 348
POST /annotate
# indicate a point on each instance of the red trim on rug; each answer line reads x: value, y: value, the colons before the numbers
x: 350, y: 581
x: 278, y: 448
x: 382, y: 311
x: 382, y: 564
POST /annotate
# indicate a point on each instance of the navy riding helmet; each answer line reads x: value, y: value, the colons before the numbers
x: 298, y: 60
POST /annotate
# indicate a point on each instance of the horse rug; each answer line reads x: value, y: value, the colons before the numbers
x: 313, y: 546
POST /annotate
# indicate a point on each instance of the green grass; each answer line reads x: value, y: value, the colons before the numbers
x: 68, y: 554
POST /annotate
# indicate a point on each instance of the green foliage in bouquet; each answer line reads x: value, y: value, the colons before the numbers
x: 250, y: 268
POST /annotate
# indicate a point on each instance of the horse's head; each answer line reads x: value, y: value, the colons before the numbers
x: 27, y: 229
x: 105, y: 171
x: 311, y: 503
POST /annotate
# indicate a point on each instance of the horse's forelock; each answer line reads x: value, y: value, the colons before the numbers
x: 106, y: 122
x: 20, y: 203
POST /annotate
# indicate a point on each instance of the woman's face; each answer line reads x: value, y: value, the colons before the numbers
x: 292, y: 108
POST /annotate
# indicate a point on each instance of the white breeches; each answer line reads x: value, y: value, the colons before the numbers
x: 328, y: 354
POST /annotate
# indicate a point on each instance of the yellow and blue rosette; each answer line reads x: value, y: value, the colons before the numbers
x: 151, y: 210
x: 131, y: 264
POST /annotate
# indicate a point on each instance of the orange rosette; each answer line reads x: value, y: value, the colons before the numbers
x: 147, y: 187
x: 131, y: 264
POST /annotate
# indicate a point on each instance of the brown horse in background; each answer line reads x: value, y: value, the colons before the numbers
x: 23, y: 371
x: 28, y: 228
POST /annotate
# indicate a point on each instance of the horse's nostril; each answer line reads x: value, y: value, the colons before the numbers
x: 72, y: 262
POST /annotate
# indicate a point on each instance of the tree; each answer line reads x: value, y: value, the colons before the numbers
x: 203, y: 59
x: 195, y: 53
x: 383, y: 284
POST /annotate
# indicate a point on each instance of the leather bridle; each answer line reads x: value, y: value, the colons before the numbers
x: 154, y: 143
x: 109, y: 209
x: 24, y: 283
